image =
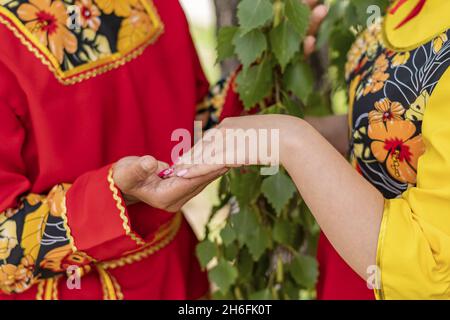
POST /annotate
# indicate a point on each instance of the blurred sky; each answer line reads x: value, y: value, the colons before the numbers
x: 202, y: 20
x: 199, y: 12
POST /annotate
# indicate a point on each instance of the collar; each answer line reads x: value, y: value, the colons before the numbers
x: 411, y: 23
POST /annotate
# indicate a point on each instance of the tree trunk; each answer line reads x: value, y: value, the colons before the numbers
x: 226, y: 16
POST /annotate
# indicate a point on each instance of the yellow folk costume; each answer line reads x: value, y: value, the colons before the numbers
x: 399, y: 91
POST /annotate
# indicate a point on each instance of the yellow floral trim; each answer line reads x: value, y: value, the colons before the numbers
x: 47, y: 289
x: 117, y: 288
x: 109, y: 285
x: 40, y: 290
x: 88, y: 70
x: 378, y: 290
x: 162, y: 238
x: 123, y: 216
x: 55, y: 293
x: 66, y: 226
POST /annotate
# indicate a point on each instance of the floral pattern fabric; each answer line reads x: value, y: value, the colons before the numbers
x: 82, y: 35
x: 388, y: 96
x: 34, y: 242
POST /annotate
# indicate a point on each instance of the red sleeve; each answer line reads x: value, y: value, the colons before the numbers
x: 37, y: 231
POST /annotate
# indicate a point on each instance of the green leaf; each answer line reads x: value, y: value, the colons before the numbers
x: 245, y: 222
x: 318, y: 105
x: 255, y: 84
x: 249, y: 46
x: 292, y: 107
x: 225, y: 47
x: 230, y: 252
x: 298, y: 14
x: 228, y: 235
x: 223, y: 275
x: 245, y: 265
x: 285, y: 43
x: 253, y: 14
x: 284, y: 232
x: 299, y: 79
x: 245, y: 186
x: 258, y: 242
x: 261, y: 295
x: 304, y: 270
x: 278, y: 189
x: 206, y: 250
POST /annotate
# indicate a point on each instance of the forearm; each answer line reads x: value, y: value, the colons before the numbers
x: 332, y: 128
x: 346, y: 206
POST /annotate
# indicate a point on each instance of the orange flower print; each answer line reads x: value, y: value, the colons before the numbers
x: 386, y: 110
x: 17, y: 279
x: 57, y: 200
x: 122, y: 8
x: 47, y: 21
x: 395, y: 144
x: 134, y: 29
x: 439, y: 41
x: 367, y: 44
x: 61, y: 258
x: 8, y: 236
x: 378, y: 76
x: 400, y: 59
x: 89, y: 14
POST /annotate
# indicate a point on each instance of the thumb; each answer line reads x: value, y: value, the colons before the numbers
x: 129, y: 171
x: 144, y: 167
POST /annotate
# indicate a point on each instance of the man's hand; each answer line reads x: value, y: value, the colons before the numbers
x: 137, y: 178
x: 318, y: 14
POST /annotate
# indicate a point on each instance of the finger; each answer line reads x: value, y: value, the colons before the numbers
x: 164, y: 170
x: 179, y: 204
x: 197, y: 170
x: 309, y: 45
x: 130, y: 171
x: 184, y: 186
x: 182, y: 190
x: 318, y: 14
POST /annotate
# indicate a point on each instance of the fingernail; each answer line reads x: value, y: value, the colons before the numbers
x: 182, y: 173
x: 166, y: 173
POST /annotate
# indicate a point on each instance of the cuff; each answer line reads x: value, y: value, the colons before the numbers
x: 97, y: 218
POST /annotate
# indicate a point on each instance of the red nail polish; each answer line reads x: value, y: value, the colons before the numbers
x: 166, y: 173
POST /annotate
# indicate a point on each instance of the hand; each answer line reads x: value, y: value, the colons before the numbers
x: 318, y: 14
x: 137, y: 179
x: 213, y: 153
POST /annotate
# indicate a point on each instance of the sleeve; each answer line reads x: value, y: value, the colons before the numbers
x: 44, y: 234
x: 220, y: 102
x: 414, y: 242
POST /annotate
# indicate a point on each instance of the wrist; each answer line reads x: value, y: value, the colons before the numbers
x: 292, y: 139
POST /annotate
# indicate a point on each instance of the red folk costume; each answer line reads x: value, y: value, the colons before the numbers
x: 75, y: 98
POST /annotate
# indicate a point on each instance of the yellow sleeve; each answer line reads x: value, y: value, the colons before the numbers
x: 414, y: 243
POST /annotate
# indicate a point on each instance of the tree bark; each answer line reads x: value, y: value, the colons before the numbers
x: 226, y: 16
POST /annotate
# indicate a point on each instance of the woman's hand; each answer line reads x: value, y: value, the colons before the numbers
x: 137, y: 178
x: 239, y: 141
